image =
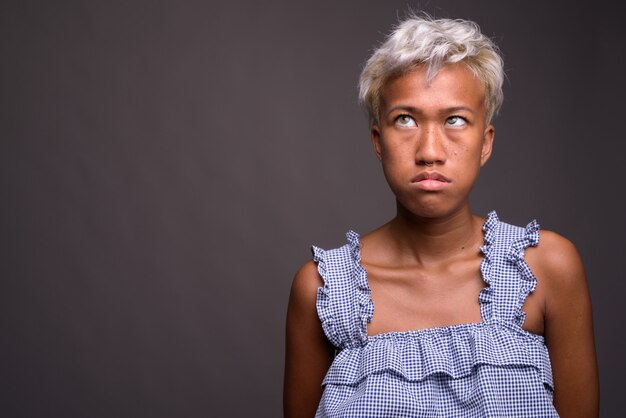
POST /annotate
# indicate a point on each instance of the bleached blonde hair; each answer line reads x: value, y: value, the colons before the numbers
x: 421, y: 40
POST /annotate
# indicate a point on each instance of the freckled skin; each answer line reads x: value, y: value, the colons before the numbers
x: 423, y: 265
x: 458, y: 152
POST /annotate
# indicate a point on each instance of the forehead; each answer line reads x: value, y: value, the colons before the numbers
x: 454, y: 85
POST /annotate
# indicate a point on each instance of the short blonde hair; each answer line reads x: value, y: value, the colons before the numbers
x: 421, y: 40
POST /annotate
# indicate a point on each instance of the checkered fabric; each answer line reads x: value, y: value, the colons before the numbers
x: 488, y: 369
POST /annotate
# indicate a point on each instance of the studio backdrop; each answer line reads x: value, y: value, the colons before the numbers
x: 165, y: 166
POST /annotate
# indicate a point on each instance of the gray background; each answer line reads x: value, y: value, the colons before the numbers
x: 164, y: 167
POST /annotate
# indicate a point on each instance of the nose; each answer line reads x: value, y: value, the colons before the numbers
x: 430, y: 148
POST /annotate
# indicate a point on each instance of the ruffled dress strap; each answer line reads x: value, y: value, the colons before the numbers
x: 344, y: 303
x: 489, y: 369
x: 504, y: 269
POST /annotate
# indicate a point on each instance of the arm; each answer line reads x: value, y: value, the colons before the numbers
x: 568, y: 326
x: 308, y: 353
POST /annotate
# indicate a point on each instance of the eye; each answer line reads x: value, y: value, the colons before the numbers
x: 405, y: 121
x: 456, y: 121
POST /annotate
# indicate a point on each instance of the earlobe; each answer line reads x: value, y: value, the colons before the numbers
x: 488, y: 138
x: 376, y: 138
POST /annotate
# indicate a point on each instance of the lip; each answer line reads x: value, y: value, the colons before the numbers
x: 431, y: 181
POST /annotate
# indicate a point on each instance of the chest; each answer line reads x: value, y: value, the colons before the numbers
x: 413, y: 298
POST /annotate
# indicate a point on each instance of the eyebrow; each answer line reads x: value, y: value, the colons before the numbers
x: 447, y: 110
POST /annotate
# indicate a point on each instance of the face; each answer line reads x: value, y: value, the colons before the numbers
x: 432, y: 139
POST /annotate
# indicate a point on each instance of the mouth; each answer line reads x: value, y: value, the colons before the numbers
x: 431, y: 181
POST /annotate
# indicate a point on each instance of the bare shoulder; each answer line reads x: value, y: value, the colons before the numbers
x: 303, y: 295
x: 306, y: 282
x: 568, y: 324
x: 556, y: 262
x: 308, y: 354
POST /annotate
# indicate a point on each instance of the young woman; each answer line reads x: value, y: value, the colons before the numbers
x: 439, y: 313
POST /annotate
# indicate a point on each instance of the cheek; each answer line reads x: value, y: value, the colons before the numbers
x: 393, y: 151
x: 468, y: 154
x: 397, y: 160
x: 397, y: 165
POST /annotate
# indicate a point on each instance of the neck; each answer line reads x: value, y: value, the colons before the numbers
x: 430, y: 240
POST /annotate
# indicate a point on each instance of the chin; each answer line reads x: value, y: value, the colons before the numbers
x: 428, y: 210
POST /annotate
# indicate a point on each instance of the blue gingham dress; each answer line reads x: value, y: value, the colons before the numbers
x: 488, y: 369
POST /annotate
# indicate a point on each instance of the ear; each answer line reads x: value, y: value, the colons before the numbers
x: 488, y: 137
x: 376, y: 141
